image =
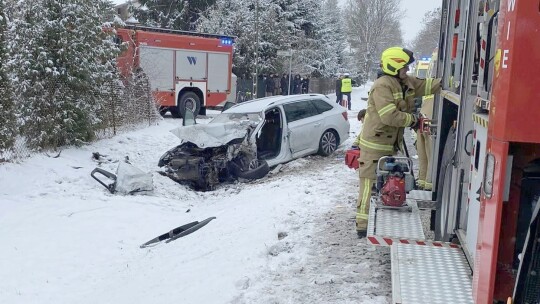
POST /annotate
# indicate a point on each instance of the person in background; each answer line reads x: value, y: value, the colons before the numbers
x: 346, y: 88
x: 389, y: 111
x: 285, y: 84
x: 305, y: 85
x: 297, y: 84
x: 338, y: 89
x: 361, y: 116
x: 277, y: 84
x: 269, y: 83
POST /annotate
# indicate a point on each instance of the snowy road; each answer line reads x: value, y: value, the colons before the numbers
x: 288, y: 238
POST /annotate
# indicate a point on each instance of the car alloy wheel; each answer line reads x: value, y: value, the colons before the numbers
x: 328, y: 143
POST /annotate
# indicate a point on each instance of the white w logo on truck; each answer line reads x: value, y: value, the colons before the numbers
x: 192, y: 60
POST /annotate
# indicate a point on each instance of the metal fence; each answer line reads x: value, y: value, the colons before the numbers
x: 244, y: 88
x: 125, y: 107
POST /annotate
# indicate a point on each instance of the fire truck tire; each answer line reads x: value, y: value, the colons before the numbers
x: 191, y: 101
x: 174, y: 112
x: 443, y: 189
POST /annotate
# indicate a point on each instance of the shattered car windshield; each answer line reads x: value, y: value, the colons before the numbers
x: 237, y: 117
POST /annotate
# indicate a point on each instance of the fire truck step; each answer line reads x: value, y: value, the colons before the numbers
x: 430, y: 274
x: 386, y: 226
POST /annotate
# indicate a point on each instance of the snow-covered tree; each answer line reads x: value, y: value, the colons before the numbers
x: 312, y: 32
x: 62, y: 55
x: 428, y: 38
x: 372, y: 26
x: 171, y: 14
x: 7, y: 108
x: 332, y: 41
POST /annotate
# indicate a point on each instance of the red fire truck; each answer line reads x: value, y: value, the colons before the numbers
x: 485, y: 164
x: 186, y: 69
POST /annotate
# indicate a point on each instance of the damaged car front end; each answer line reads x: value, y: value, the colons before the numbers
x: 214, y: 153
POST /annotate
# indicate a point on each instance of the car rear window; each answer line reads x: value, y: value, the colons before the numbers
x: 321, y: 105
x: 299, y: 110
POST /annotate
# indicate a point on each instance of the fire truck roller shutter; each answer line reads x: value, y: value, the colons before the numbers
x: 442, y: 231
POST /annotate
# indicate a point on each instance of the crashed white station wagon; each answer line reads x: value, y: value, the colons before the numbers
x: 249, y: 138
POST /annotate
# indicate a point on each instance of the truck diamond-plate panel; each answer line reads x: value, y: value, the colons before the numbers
x: 430, y: 274
x: 395, y: 225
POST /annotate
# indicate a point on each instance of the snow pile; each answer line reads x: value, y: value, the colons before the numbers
x: 287, y: 238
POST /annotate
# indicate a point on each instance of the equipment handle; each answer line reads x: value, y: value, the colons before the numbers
x: 465, y: 145
x: 107, y: 174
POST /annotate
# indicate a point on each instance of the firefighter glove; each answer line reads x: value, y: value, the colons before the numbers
x: 416, y: 121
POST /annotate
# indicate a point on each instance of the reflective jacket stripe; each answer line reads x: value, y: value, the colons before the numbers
x: 429, y: 81
x: 386, y: 109
x: 398, y: 96
x: 408, y: 120
x: 378, y: 147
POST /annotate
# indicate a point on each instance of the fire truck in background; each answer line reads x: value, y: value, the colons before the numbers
x: 485, y: 164
x: 422, y: 67
x: 186, y: 70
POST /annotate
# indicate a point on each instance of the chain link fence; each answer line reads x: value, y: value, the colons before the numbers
x: 124, y: 107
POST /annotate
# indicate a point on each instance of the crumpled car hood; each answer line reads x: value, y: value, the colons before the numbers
x: 213, y: 134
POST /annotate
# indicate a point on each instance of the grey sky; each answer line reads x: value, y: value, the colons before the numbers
x: 414, y: 13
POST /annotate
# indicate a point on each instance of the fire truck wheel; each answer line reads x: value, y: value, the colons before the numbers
x: 189, y: 100
x: 163, y: 111
x: 174, y: 112
x: 443, y: 190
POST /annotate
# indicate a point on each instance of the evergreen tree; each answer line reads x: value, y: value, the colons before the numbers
x: 7, y: 108
x: 62, y: 57
x: 171, y: 14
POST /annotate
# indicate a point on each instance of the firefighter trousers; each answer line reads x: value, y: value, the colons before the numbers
x: 367, y: 163
x: 423, y: 146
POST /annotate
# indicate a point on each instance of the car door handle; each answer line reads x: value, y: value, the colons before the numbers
x: 317, y: 124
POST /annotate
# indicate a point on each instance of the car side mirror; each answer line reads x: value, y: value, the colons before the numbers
x: 189, y: 118
x: 228, y: 105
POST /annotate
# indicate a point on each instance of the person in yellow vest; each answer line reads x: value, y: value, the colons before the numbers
x: 389, y: 111
x: 346, y: 88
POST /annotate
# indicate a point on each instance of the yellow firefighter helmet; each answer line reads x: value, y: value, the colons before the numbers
x: 395, y: 58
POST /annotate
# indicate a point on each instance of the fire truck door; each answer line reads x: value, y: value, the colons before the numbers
x: 157, y: 65
x: 218, y: 72
x: 477, y: 175
x: 190, y: 65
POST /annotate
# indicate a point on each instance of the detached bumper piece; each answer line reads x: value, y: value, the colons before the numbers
x: 177, y: 232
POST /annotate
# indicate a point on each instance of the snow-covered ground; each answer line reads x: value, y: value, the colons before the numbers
x: 287, y: 238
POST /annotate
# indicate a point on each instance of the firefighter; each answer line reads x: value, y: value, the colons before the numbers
x: 346, y: 88
x: 389, y: 111
x: 423, y: 146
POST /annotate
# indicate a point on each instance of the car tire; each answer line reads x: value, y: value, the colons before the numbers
x: 259, y: 171
x: 328, y: 143
x: 189, y: 100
